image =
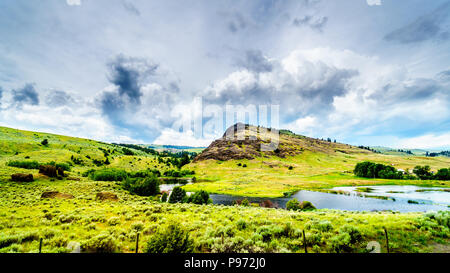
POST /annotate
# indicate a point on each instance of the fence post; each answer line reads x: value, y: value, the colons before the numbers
x: 40, y: 245
x: 387, y: 239
x: 304, y: 241
x: 137, y: 243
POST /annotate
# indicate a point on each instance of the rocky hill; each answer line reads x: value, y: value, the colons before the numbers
x: 247, y: 144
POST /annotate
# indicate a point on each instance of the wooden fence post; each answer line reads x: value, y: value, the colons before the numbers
x: 387, y: 239
x: 137, y: 243
x: 40, y: 245
x: 304, y: 242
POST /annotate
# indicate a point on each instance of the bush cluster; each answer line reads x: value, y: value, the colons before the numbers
x: 145, y: 173
x: 102, y: 243
x: 178, y: 195
x: 424, y: 173
x: 175, y: 173
x: 63, y: 166
x: 108, y: 174
x: 294, y: 204
x: 27, y: 164
x: 24, y: 164
x: 199, y: 198
x: 369, y: 169
x: 148, y: 186
x: 173, y: 239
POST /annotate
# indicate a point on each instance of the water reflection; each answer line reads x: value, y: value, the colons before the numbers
x: 427, y: 199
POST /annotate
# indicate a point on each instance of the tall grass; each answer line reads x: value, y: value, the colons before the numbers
x: 24, y: 164
x: 109, y: 175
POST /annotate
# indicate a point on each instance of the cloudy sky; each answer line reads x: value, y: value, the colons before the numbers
x: 369, y: 72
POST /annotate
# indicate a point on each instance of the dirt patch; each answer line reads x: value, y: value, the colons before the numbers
x: 107, y: 196
x: 56, y: 195
x: 73, y: 179
x: 440, y: 248
x: 20, y: 177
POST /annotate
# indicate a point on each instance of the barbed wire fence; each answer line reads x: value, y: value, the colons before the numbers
x: 372, y: 246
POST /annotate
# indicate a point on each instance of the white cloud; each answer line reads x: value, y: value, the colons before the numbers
x: 427, y: 141
x: 73, y: 2
x: 187, y: 138
x: 304, y: 125
x: 374, y: 2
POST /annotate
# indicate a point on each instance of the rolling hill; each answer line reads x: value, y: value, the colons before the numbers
x: 239, y: 167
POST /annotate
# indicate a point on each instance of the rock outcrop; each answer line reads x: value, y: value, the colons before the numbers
x: 20, y: 177
x: 249, y: 142
x: 104, y: 196
x: 56, y: 195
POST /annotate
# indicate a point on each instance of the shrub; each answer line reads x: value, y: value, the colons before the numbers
x: 127, y: 151
x: 178, y: 195
x: 241, y: 224
x: 109, y: 175
x: 64, y: 166
x: 324, y: 226
x: 173, y: 239
x: 293, y: 204
x: 306, y: 206
x: 24, y: 164
x: 443, y: 174
x: 423, y: 172
x: 268, y: 204
x: 88, y: 173
x: 45, y: 142
x: 245, y: 202
x: 76, y: 160
x: 8, y: 240
x: 145, y: 173
x: 200, y: 198
x: 164, y: 197
x: 137, y: 226
x: 102, y: 243
x: 341, y: 242
x: 355, y: 234
x: 173, y: 173
x: 113, y: 221
x: 142, y: 186
x: 441, y: 217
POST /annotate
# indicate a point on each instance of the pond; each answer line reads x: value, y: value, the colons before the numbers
x: 404, y: 199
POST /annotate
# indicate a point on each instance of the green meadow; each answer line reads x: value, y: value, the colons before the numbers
x: 274, y: 176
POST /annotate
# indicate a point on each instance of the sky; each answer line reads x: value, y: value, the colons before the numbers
x: 363, y: 72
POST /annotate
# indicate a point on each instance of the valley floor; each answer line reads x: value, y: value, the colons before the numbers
x: 271, y: 177
x: 112, y: 226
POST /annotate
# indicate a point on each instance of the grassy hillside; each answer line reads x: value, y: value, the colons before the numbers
x: 302, y: 163
x: 26, y: 146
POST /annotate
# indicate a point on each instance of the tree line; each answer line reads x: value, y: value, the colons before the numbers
x: 369, y: 169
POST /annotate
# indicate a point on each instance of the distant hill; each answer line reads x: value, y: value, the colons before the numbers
x: 174, y: 148
x: 408, y: 152
x: 253, y: 137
